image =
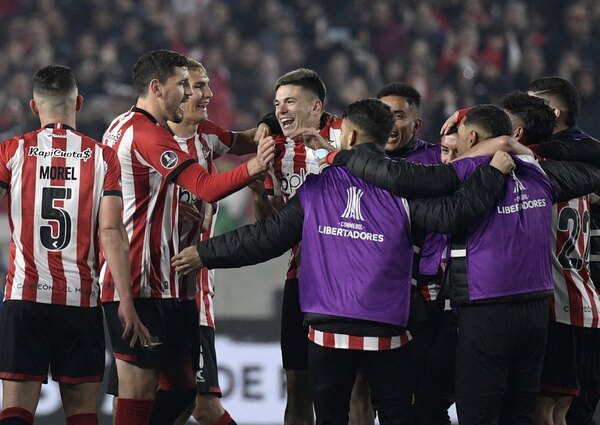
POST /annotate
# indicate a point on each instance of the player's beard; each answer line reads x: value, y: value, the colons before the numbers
x: 176, y: 114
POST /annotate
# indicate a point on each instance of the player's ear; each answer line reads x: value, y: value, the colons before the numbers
x: 155, y: 87
x: 79, y: 103
x: 473, y: 138
x: 352, y: 138
x: 317, y: 106
x: 518, y: 133
x: 418, y: 123
x: 34, y: 108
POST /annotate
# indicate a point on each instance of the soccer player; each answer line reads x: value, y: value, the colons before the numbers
x: 299, y: 99
x: 572, y: 361
x: 205, y: 141
x: 153, y: 169
x: 448, y: 141
x: 344, y: 223
x: 64, y: 200
x: 503, y: 297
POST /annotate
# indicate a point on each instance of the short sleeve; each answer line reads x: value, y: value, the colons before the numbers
x: 157, y: 148
x: 112, y: 179
x: 217, y: 139
x: 7, y: 151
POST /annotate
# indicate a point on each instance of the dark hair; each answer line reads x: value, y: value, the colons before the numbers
x: 538, y: 119
x: 412, y: 96
x: 157, y: 64
x: 564, y: 91
x: 54, y: 80
x: 373, y: 117
x: 491, y: 119
x: 305, y: 78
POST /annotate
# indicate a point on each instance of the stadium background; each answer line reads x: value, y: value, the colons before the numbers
x: 455, y: 53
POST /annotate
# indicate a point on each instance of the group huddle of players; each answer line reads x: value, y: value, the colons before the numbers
x: 428, y: 273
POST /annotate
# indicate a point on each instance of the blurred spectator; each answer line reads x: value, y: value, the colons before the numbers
x: 456, y: 53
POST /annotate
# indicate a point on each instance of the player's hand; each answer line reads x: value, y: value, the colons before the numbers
x: 187, y: 260
x: 264, y: 155
x: 262, y: 131
x: 132, y: 324
x: 258, y: 185
x: 451, y: 121
x: 188, y: 211
x: 311, y: 138
x: 503, y: 162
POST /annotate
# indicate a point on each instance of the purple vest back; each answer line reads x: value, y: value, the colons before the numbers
x: 356, y: 249
x: 508, y: 250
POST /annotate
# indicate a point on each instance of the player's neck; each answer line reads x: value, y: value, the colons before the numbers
x: 46, y: 120
x: 185, y: 129
x: 153, y: 108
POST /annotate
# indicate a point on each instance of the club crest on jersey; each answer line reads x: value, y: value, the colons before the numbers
x: 206, y: 151
x: 352, y: 210
x: 169, y: 159
x: 59, y: 153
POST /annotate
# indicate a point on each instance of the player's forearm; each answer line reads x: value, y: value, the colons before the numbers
x: 116, y: 251
x: 213, y: 187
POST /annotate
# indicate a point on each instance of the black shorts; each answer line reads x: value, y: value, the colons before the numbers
x: 207, y: 377
x: 112, y: 380
x: 188, y: 310
x: 35, y: 336
x: 162, y: 318
x: 294, y: 335
x: 572, y: 362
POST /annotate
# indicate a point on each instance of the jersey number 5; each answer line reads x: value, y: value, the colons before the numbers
x: 55, y: 241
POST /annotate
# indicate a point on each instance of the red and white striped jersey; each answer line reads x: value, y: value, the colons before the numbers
x: 361, y: 343
x: 575, y: 300
x: 55, y: 178
x: 205, y: 280
x: 209, y: 142
x: 150, y: 160
x: 293, y: 162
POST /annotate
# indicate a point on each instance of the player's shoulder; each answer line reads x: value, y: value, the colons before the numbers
x: 210, y: 127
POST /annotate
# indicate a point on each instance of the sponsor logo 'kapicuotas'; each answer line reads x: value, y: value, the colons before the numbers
x: 59, y: 153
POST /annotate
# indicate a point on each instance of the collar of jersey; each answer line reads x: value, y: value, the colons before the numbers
x: 61, y: 125
x: 144, y: 112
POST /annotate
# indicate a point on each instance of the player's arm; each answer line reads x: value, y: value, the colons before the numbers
x: 211, y: 188
x: 115, y: 245
x: 244, y: 142
x: 500, y: 143
x: 265, y: 205
x: 479, y: 193
x: 586, y: 150
x: 404, y: 178
x: 2, y: 192
x: 251, y: 244
x: 572, y: 179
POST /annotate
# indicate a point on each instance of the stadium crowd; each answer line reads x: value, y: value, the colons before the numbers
x: 453, y: 52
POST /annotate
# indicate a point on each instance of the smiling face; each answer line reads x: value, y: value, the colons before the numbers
x: 406, y: 122
x: 296, y: 107
x: 174, y: 93
x: 196, y: 109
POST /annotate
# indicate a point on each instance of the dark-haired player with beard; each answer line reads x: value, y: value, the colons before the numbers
x: 153, y: 168
x: 572, y: 364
